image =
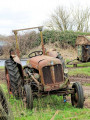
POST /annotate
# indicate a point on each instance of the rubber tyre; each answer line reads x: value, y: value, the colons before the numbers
x: 29, y: 97
x: 5, y: 111
x: 77, y: 98
x: 14, y: 77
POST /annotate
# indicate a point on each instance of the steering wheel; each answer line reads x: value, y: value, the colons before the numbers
x: 35, y: 53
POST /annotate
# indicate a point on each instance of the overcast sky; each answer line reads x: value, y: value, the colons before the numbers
x: 16, y: 14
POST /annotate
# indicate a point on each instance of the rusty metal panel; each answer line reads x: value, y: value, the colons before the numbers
x: 58, y: 73
x: 52, y: 53
x: 38, y: 62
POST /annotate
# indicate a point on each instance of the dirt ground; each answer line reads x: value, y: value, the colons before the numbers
x: 82, y: 79
x: 66, y: 53
x: 2, y: 75
x: 72, y: 79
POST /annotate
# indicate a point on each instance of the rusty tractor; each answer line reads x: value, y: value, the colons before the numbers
x: 45, y: 73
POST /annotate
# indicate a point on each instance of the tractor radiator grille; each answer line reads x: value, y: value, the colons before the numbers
x: 48, y: 76
x: 58, y: 73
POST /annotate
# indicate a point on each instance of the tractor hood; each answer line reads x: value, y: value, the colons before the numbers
x: 38, y: 62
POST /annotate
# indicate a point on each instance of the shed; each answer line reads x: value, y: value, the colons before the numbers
x: 83, y: 48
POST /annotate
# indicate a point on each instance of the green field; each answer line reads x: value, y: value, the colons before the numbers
x: 80, y: 71
x: 45, y: 108
x: 84, y: 69
x: 1, y: 67
x: 80, y: 65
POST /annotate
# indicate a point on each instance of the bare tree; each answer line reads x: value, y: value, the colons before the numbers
x: 60, y: 19
x: 72, y: 19
x: 81, y: 19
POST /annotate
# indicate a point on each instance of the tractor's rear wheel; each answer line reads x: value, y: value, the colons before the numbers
x: 27, y: 97
x: 13, y: 77
x: 5, y: 112
x: 77, y: 98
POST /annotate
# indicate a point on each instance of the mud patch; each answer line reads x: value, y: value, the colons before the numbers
x: 80, y: 79
x: 86, y: 90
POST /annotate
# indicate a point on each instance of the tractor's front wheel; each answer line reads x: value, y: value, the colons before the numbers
x: 77, y: 98
x: 27, y: 96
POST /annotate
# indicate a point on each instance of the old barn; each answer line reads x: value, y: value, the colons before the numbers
x: 83, y: 48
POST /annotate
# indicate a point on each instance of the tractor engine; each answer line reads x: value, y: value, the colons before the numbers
x: 49, y: 71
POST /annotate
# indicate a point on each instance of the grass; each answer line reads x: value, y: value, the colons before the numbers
x: 86, y: 84
x: 1, y: 67
x: 45, y: 108
x: 80, y: 65
x: 80, y: 71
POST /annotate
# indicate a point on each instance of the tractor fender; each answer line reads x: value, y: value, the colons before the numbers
x: 52, y: 53
x: 16, y: 59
